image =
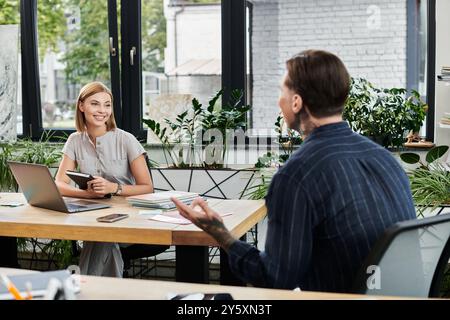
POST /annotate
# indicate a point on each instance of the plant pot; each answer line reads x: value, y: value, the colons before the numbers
x: 212, y: 183
x: 382, y: 140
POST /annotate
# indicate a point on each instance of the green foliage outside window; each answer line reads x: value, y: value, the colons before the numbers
x: 85, y: 45
x: 9, y: 12
x: 51, y: 21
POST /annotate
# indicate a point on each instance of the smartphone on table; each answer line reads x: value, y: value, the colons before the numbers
x: 112, y: 217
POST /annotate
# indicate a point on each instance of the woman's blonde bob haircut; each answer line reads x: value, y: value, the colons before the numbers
x: 89, y: 90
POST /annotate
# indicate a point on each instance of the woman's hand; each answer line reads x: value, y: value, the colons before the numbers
x: 100, y: 187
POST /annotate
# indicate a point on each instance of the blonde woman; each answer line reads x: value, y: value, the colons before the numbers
x: 114, y: 157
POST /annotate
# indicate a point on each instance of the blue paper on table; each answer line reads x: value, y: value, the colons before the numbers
x: 39, y: 282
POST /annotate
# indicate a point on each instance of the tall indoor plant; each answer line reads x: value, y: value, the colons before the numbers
x: 384, y: 115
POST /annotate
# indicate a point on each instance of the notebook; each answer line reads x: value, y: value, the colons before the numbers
x: 81, y: 179
x: 161, y: 200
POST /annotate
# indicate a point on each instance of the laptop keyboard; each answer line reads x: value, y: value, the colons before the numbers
x: 75, y: 207
x: 78, y: 202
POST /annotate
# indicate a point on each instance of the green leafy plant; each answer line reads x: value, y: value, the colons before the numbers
x: 7, y: 182
x: 40, y: 152
x: 430, y: 182
x: 287, y: 144
x: 384, y: 115
x: 232, y: 115
x: 188, y: 125
x: 273, y: 160
x: 260, y: 185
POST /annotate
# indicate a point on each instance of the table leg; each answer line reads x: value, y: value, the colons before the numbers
x: 8, y: 256
x: 191, y: 264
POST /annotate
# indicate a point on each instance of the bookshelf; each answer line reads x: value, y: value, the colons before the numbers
x: 445, y: 81
x: 444, y: 77
x: 442, y: 68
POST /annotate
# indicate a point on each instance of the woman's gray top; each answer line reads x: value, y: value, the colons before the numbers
x: 110, y: 158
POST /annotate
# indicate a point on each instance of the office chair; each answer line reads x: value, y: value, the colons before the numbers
x: 408, y: 260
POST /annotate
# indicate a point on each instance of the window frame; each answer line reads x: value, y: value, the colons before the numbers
x: 126, y: 80
x: 31, y: 93
x: 31, y: 97
x: 412, y: 74
x: 431, y: 70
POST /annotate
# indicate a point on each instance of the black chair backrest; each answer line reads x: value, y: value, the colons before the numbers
x: 408, y: 260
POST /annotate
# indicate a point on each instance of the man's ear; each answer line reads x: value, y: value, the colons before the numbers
x: 297, y: 103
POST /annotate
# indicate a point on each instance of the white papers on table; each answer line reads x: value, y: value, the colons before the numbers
x: 176, y: 218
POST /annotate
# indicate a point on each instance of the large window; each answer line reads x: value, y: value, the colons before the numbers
x: 422, y: 34
x: 181, y: 55
x: 162, y: 53
x: 370, y: 37
x: 73, y: 50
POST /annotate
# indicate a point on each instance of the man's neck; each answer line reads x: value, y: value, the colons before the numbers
x: 318, y: 122
x: 312, y: 123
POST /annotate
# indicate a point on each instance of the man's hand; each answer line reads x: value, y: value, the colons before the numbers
x: 206, y: 219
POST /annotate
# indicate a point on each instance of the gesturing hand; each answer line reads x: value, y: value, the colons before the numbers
x: 206, y: 219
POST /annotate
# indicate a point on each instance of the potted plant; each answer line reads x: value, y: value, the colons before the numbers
x: 58, y: 252
x: 384, y: 115
x: 191, y: 128
x: 430, y: 181
x: 197, y: 141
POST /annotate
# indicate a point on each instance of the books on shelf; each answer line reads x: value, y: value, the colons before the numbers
x: 161, y: 200
x: 445, y: 74
x: 445, y: 119
x: 445, y: 70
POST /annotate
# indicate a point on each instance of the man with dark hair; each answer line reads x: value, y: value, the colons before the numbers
x: 332, y: 199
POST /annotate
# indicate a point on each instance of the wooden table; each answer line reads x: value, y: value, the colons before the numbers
x: 103, y: 288
x: 191, y: 242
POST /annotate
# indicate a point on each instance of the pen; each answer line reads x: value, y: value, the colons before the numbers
x: 11, y: 288
x: 29, y: 286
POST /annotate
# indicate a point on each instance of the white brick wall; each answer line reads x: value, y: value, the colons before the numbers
x: 371, y: 45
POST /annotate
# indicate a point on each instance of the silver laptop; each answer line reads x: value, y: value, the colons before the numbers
x: 41, y: 191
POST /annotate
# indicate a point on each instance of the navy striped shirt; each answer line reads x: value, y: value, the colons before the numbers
x: 327, y: 206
